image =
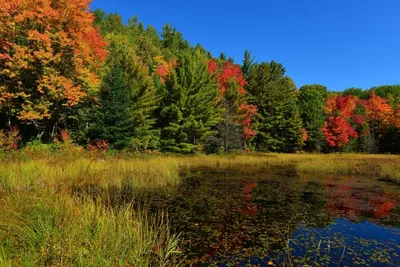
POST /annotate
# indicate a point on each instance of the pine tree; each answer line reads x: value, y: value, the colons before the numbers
x: 248, y: 64
x: 278, y: 125
x: 188, y: 112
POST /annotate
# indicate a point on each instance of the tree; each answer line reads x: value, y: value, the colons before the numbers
x: 311, y: 106
x: 278, y: 124
x: 248, y: 63
x: 358, y: 92
x: 389, y: 92
x: 379, y: 115
x: 338, y: 131
x: 235, y: 127
x: 338, y: 128
x: 188, y: 112
x: 144, y: 98
x: 49, y: 53
x: 112, y: 121
x: 172, y: 41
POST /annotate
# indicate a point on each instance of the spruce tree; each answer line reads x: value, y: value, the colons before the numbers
x: 143, y: 95
x: 140, y: 99
x: 111, y: 120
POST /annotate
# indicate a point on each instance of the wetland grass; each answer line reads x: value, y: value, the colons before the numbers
x: 77, y: 210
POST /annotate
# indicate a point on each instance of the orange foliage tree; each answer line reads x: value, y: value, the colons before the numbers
x: 378, y: 112
x: 49, y: 51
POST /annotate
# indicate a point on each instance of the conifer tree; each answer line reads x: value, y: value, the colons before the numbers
x: 111, y: 120
x: 312, y: 99
x: 188, y: 112
x: 278, y: 125
x: 141, y: 95
x: 248, y: 64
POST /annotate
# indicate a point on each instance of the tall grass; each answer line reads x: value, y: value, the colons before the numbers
x: 63, y: 231
x: 55, y: 211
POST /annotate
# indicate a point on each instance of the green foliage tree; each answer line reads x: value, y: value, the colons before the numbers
x: 112, y: 121
x: 355, y: 92
x: 311, y: 103
x: 248, y: 63
x: 188, y: 113
x: 278, y: 124
x: 141, y: 95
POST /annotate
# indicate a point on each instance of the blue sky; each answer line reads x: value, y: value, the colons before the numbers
x: 337, y: 43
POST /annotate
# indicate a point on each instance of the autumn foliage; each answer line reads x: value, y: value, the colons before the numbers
x: 338, y: 128
x: 231, y: 84
x: 9, y: 139
x: 164, y: 68
x: 377, y: 109
x: 229, y: 74
x: 49, y: 52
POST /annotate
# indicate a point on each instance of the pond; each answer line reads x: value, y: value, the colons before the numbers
x: 276, y: 217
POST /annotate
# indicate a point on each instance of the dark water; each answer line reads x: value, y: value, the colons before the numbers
x: 278, y: 218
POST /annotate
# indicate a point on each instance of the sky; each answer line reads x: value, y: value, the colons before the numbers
x: 336, y: 43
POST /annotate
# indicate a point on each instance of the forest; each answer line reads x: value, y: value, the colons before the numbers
x: 125, y: 86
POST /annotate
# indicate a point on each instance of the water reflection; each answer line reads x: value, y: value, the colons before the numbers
x: 267, y: 219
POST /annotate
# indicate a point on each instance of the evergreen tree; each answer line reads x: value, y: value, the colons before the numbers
x: 141, y: 96
x: 311, y: 103
x: 188, y: 112
x: 248, y: 63
x: 111, y: 120
x: 172, y: 41
x: 278, y: 125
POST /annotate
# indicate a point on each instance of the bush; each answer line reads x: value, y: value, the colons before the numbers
x: 9, y: 139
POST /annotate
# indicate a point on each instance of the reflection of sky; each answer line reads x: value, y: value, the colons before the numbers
x: 350, y: 233
x: 363, y: 238
x: 364, y: 230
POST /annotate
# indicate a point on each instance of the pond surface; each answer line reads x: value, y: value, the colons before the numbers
x: 278, y: 218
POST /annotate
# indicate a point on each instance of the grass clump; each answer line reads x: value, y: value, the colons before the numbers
x: 65, y: 231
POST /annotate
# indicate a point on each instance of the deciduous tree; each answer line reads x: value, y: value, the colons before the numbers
x: 49, y: 53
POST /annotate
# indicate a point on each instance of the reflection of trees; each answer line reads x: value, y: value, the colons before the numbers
x: 357, y: 204
x: 224, y: 217
x: 229, y: 217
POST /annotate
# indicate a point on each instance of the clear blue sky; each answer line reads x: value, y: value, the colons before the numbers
x: 337, y: 43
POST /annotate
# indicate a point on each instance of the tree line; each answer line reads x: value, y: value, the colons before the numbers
x: 132, y: 88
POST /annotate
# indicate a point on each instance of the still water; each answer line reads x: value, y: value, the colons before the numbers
x: 279, y: 218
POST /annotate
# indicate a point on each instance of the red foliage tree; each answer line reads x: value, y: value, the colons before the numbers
x: 338, y: 128
x: 338, y: 131
x: 164, y: 68
x: 231, y: 84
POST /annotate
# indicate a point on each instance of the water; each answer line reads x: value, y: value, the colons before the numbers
x: 278, y: 218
